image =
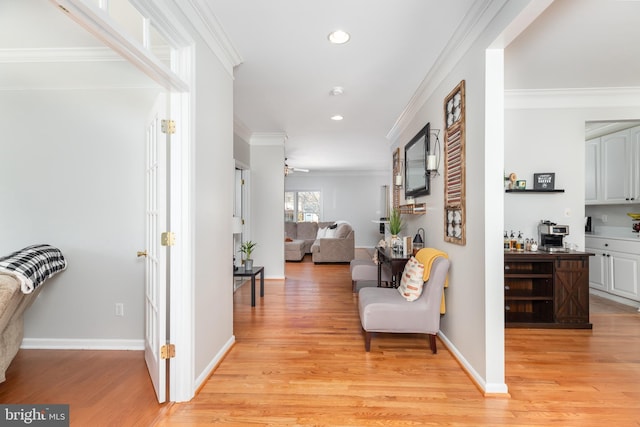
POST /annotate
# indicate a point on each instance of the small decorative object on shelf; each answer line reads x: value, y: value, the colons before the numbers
x: 544, y: 181
x: 413, y: 208
x: 521, y: 184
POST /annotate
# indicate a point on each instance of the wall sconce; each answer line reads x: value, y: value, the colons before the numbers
x: 433, y: 160
x: 398, y: 180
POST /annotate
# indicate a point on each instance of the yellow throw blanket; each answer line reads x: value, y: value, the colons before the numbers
x: 425, y: 256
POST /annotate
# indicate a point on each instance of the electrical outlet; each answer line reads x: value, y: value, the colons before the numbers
x: 567, y: 212
x: 120, y: 309
x: 605, y: 218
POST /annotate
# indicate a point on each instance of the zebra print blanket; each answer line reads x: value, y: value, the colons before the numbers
x: 33, y: 265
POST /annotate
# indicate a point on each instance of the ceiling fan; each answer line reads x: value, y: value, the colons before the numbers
x: 289, y: 169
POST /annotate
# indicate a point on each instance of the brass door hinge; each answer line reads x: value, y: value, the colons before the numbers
x: 169, y: 126
x: 168, y: 238
x: 168, y: 351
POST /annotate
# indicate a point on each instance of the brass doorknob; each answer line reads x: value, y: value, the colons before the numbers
x: 142, y: 253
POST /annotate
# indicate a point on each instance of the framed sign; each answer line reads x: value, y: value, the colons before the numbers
x: 544, y: 181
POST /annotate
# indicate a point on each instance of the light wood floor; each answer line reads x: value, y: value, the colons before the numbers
x: 300, y: 360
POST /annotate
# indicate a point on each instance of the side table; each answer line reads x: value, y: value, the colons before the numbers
x: 241, y: 272
x: 396, y: 262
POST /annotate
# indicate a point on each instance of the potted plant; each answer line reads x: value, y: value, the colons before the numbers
x: 395, y: 222
x: 247, y: 248
x: 395, y: 226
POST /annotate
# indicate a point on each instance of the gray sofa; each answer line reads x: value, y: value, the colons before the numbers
x: 22, y: 274
x: 13, y: 303
x: 337, y: 244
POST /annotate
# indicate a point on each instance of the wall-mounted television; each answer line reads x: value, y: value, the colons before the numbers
x: 416, y: 176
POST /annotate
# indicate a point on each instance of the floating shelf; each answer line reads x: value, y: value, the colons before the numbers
x: 533, y: 191
x: 414, y: 209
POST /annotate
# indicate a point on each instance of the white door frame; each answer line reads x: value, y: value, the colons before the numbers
x: 178, y: 80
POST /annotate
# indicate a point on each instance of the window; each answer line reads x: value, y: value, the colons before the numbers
x: 301, y: 206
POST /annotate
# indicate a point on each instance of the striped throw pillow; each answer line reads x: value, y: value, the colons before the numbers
x: 411, y: 282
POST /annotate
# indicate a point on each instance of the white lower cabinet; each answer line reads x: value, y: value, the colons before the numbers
x: 615, y: 266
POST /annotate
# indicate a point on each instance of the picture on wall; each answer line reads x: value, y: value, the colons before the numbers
x: 454, y: 166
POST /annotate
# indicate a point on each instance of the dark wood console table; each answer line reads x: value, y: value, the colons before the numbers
x: 546, y: 290
x: 241, y: 272
x: 396, y: 262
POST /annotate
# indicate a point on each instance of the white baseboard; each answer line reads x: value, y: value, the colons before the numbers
x: 81, y: 344
x: 487, y: 388
x: 615, y: 298
x: 206, y: 373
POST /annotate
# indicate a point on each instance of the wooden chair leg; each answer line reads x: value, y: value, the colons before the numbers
x: 353, y: 286
x: 432, y: 343
x: 367, y: 341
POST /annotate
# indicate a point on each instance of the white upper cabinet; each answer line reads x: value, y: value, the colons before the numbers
x: 592, y: 157
x: 613, y: 168
x: 634, y: 193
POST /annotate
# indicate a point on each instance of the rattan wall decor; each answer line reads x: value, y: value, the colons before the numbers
x: 454, y: 166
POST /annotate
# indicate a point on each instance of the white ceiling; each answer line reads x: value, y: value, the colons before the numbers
x: 288, y: 67
x: 578, y: 44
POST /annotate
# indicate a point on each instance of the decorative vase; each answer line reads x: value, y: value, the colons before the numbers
x: 396, y: 242
x: 248, y: 264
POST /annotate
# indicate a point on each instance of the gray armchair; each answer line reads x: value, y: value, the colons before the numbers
x: 385, y: 310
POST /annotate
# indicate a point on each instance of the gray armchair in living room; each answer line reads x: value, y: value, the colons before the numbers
x: 386, y: 310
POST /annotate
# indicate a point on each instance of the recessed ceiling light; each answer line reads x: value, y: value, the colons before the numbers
x: 339, y: 37
x: 337, y: 91
x: 337, y: 117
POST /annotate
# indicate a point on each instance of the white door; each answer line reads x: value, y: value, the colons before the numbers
x: 624, y: 274
x: 156, y: 259
x: 598, y: 269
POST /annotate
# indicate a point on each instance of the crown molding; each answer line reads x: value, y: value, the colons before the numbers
x: 240, y: 129
x: 163, y: 17
x: 572, y: 98
x: 268, y: 138
x: 470, y: 29
x: 204, y: 20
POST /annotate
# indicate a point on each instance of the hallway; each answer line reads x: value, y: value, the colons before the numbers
x: 299, y: 359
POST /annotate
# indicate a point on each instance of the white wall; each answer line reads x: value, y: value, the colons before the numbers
x: 561, y: 132
x: 473, y: 326
x: 352, y: 197
x: 266, y: 217
x: 73, y: 177
x: 213, y: 209
x: 616, y: 215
